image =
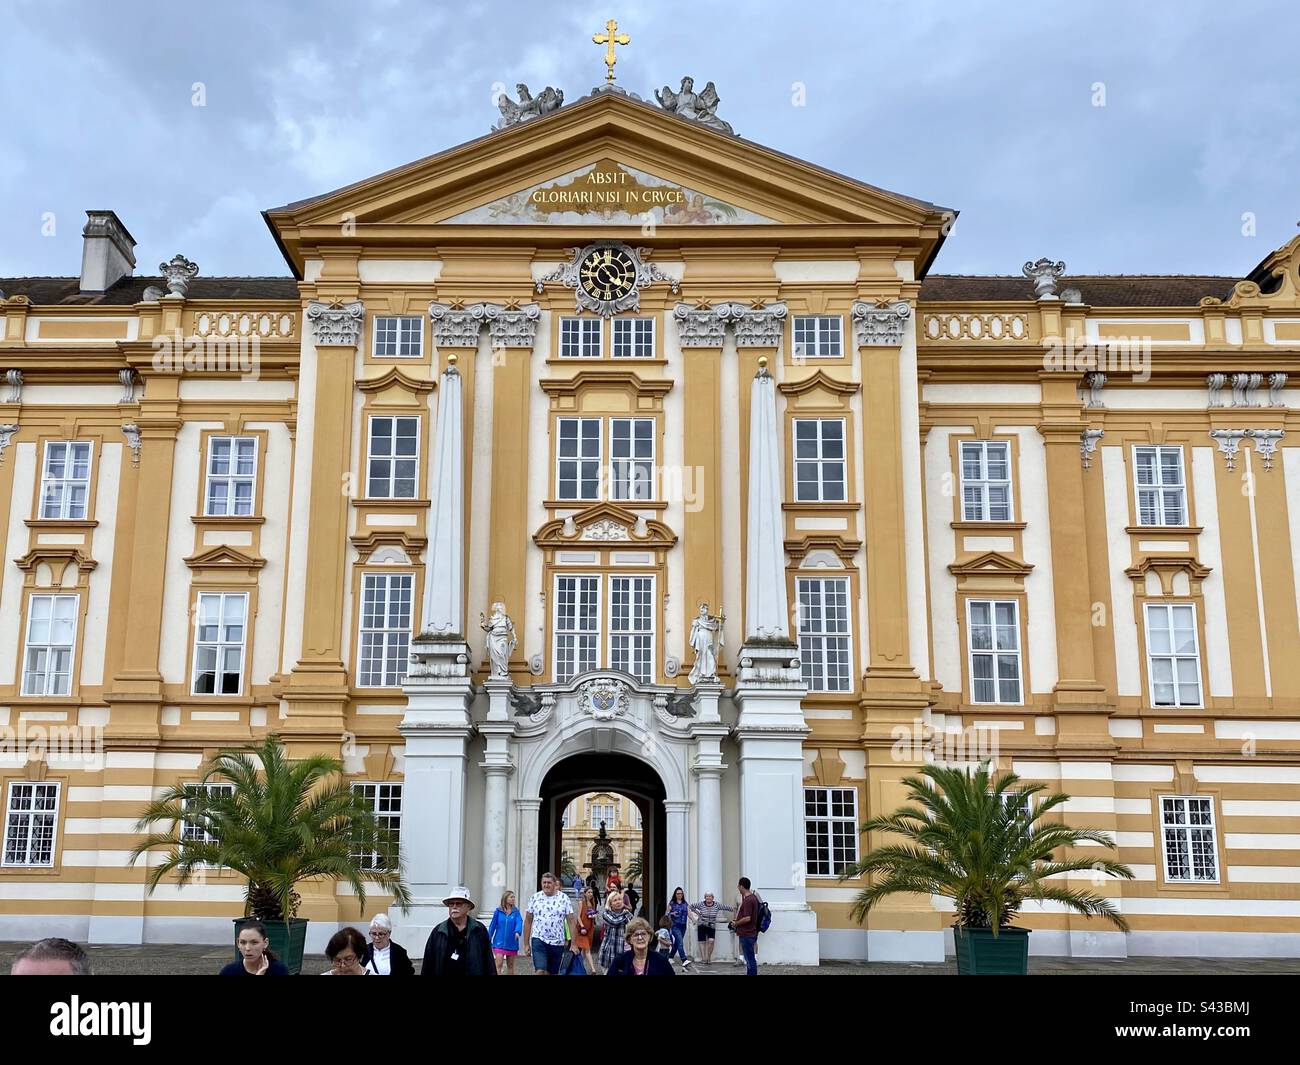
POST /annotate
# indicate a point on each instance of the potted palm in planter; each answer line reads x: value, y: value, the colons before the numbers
x: 278, y: 822
x: 986, y: 845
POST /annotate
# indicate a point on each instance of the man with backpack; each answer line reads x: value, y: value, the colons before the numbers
x: 747, y: 925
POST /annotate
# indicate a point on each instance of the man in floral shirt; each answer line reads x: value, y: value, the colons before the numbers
x: 548, y: 927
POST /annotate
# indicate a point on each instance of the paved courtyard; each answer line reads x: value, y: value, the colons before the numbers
x: 167, y: 960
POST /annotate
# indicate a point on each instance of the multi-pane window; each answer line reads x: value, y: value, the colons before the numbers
x: 232, y: 476
x: 398, y: 337
x: 825, y: 639
x: 51, y: 641
x: 631, y: 626
x: 818, y: 336
x: 1187, y: 829
x: 197, y: 831
x: 31, y: 821
x: 1172, y: 658
x: 830, y: 829
x: 634, y: 338
x: 986, y: 480
x: 393, y: 459
x: 1161, y: 488
x: 603, y: 812
x: 220, y: 620
x: 994, y: 635
x: 632, y: 457
x: 65, y: 481
x: 580, y: 338
x: 577, y: 473
x: 386, y: 801
x: 819, y: 460
x: 385, y: 629
x: 577, y: 625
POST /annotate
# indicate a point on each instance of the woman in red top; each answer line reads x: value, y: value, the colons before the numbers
x: 584, y: 927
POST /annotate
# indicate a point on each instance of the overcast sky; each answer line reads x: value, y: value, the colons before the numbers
x: 990, y: 108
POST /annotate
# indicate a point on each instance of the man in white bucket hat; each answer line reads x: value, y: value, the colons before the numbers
x: 460, y: 945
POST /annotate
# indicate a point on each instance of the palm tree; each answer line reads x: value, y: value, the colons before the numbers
x: 567, y: 868
x: 633, y: 873
x: 277, y: 821
x: 986, y: 845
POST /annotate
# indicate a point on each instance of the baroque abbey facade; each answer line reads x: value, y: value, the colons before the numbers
x: 772, y: 511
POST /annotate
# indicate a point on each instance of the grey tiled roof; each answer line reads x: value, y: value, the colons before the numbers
x: 64, y: 291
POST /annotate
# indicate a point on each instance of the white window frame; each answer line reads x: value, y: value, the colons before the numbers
x: 820, y: 639
x: 583, y: 335
x: 995, y: 652
x: 64, y: 511
x: 593, y: 633
x: 835, y: 865
x: 1158, y: 489
x: 632, y: 634
x: 1173, y: 656
x: 580, y: 460
x: 13, y: 818
x: 230, y: 479
x: 388, y: 635
x: 822, y: 335
x: 1188, y: 831
x: 621, y: 467
x: 392, y: 460
x: 385, y: 791
x: 639, y: 338
x: 194, y: 832
x: 402, y: 336
x: 220, y: 644
x: 47, y: 686
x: 983, y: 483
x: 821, y: 460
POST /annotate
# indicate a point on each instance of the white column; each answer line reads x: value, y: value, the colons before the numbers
x: 708, y: 733
x: 444, y: 576
x: 528, y: 810
x: 769, y: 695
x: 439, y: 688
x: 678, y: 843
x: 497, y: 767
x: 436, y: 730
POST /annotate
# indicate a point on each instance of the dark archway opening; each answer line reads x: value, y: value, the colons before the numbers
x: 624, y: 775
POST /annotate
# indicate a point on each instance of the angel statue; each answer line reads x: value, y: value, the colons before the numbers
x: 706, y: 639
x: 528, y: 107
x: 698, y: 107
x: 501, y: 639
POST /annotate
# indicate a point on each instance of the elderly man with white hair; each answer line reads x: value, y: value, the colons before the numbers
x: 383, y: 957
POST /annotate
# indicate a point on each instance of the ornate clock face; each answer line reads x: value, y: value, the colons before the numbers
x: 607, y: 274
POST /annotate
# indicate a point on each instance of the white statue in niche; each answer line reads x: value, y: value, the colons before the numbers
x: 501, y: 639
x: 706, y: 639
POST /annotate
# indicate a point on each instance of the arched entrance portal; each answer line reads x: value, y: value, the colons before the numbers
x: 621, y: 773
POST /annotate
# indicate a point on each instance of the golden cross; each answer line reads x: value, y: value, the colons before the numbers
x: 611, y: 37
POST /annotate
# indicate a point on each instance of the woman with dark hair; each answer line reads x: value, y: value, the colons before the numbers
x: 257, y: 960
x: 585, y: 915
x: 345, y: 950
x: 640, y: 960
x: 679, y: 912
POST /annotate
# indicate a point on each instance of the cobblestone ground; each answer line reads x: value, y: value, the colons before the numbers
x: 165, y: 960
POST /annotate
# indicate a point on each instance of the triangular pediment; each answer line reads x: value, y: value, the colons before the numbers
x: 991, y: 563
x: 224, y: 557
x: 702, y: 176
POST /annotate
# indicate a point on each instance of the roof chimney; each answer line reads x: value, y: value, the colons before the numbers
x: 107, y: 251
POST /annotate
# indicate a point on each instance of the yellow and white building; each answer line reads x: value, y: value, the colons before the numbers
x: 1054, y: 520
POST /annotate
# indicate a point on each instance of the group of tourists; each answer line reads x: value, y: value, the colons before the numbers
x: 559, y: 937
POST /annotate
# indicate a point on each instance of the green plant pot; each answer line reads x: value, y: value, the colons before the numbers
x: 980, y: 953
x: 286, y: 941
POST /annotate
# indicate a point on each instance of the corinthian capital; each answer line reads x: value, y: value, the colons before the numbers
x: 699, y: 327
x: 758, y: 326
x: 880, y: 324
x: 514, y: 327
x: 336, y: 323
